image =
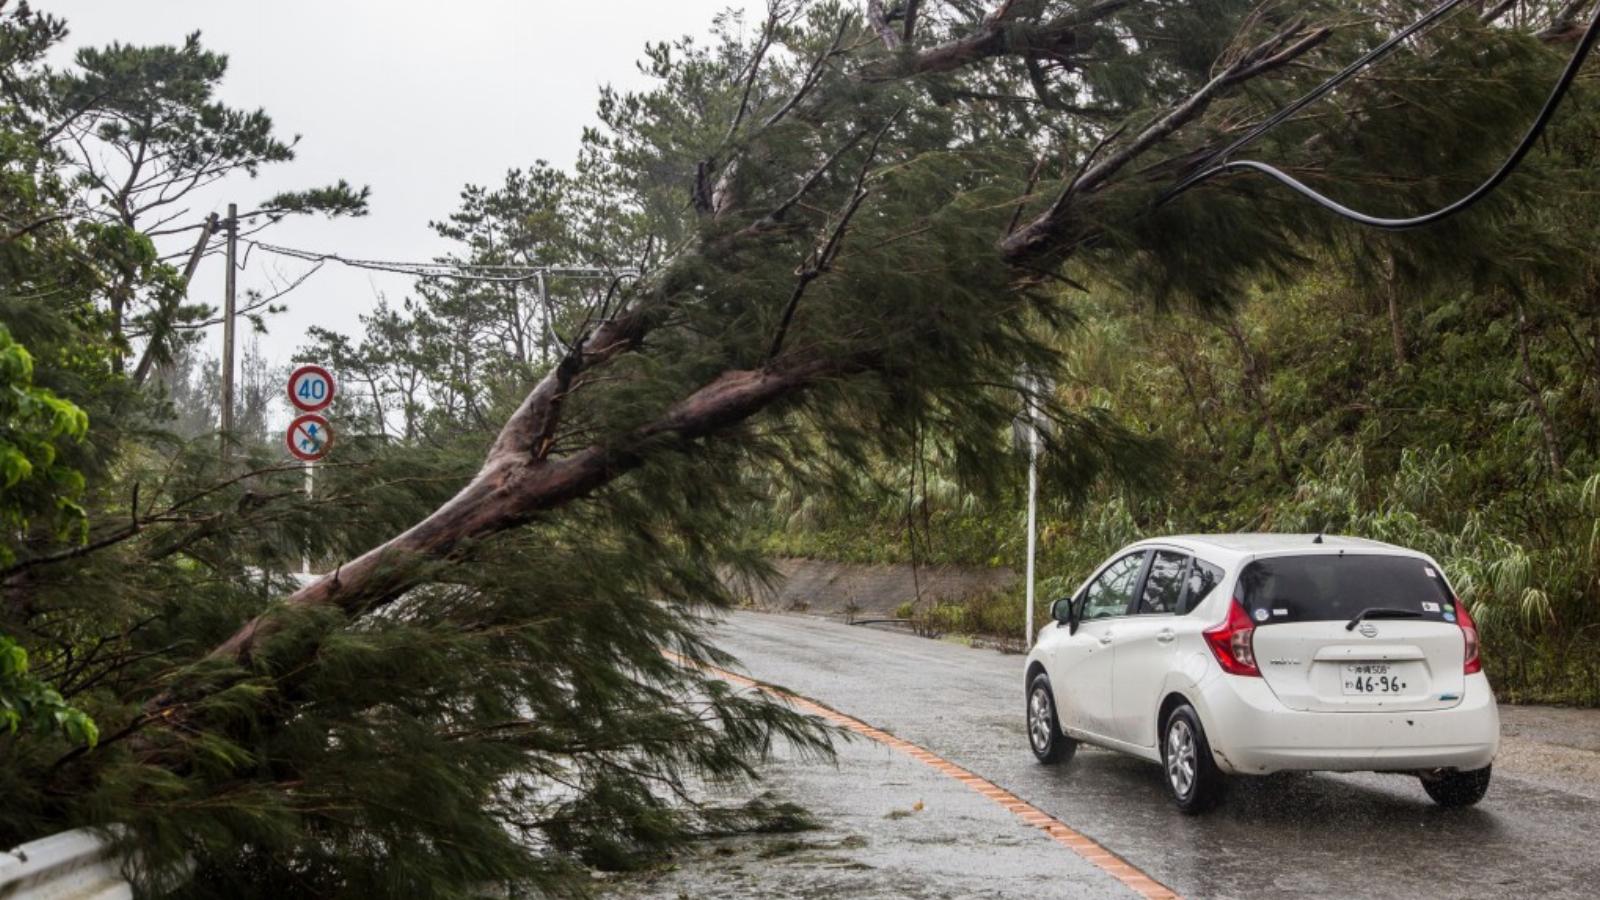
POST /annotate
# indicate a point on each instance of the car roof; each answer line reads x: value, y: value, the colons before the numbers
x: 1238, y: 547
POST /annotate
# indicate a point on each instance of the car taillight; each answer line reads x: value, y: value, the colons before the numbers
x: 1469, y: 632
x: 1233, y: 642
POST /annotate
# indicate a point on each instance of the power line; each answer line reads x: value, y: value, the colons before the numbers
x: 454, y: 271
x: 1507, y: 167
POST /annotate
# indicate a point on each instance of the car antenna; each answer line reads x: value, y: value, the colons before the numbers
x: 1317, y: 539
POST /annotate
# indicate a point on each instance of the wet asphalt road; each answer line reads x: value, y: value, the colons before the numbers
x: 1353, y: 836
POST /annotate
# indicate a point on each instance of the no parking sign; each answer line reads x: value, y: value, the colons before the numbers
x: 310, y: 437
x: 311, y: 388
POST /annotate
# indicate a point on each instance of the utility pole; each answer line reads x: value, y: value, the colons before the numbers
x: 227, y: 328
x: 1033, y: 502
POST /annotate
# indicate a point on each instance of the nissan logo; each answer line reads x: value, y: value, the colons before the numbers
x: 1369, y: 630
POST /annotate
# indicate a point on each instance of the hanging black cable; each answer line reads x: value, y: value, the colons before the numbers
x: 1585, y: 44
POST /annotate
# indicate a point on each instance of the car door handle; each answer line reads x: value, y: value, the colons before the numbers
x: 1166, y: 635
x: 1105, y: 638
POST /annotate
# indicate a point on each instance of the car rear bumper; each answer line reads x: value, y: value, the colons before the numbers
x: 1251, y: 732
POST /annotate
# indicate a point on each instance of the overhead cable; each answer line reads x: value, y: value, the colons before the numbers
x: 512, y: 274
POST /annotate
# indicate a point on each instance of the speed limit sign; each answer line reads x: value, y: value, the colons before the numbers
x: 311, y: 388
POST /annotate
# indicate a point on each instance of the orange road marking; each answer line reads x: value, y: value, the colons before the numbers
x: 1059, y: 831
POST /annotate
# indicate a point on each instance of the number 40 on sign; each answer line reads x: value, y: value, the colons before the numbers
x: 310, y: 388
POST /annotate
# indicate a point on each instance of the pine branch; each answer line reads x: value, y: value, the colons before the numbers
x: 1040, y: 236
x: 763, y: 44
x: 775, y: 217
x: 822, y: 259
x: 809, y: 81
x: 999, y: 35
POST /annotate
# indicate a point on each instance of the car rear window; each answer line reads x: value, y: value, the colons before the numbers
x: 1323, y: 587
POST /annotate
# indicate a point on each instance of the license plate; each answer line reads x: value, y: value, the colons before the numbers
x: 1372, y: 679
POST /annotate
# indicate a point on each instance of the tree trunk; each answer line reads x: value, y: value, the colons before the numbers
x: 518, y: 481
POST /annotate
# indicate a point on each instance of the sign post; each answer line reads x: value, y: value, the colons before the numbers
x: 1026, y: 428
x: 309, y: 437
x: 311, y: 482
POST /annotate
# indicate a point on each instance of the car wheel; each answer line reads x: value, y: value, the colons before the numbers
x: 1458, y: 788
x: 1049, y: 744
x: 1192, y: 775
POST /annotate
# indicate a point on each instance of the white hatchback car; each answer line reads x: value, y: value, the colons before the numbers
x: 1259, y: 653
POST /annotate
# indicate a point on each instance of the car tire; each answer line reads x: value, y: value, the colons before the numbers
x: 1192, y: 775
x: 1453, y: 789
x: 1045, y: 737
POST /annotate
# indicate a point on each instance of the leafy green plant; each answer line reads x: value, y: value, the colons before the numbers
x: 29, y: 705
x: 33, y: 422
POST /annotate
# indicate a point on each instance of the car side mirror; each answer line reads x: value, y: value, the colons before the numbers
x: 1064, y: 612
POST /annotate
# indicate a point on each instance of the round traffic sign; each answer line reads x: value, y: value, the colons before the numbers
x: 311, y: 388
x: 309, y: 437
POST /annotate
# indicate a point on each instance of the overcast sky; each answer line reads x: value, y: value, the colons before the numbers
x: 415, y: 99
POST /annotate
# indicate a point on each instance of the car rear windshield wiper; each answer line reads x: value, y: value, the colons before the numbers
x: 1381, y: 612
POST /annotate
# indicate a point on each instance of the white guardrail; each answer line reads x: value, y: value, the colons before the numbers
x: 72, y: 865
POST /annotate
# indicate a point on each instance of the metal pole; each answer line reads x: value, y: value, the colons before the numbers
x: 305, y: 551
x: 227, y: 328
x: 1033, y: 504
x: 544, y: 313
